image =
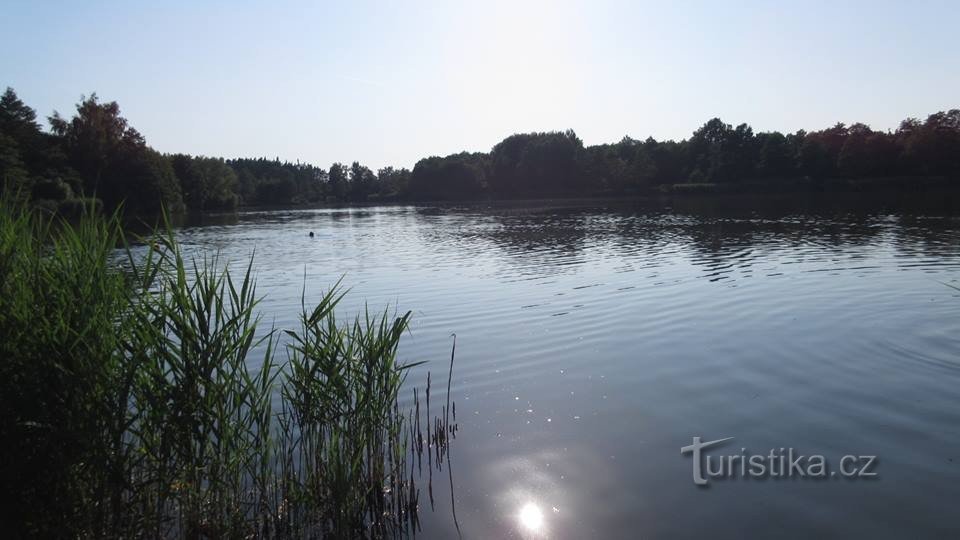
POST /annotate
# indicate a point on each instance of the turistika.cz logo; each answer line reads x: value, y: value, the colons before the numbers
x: 775, y: 464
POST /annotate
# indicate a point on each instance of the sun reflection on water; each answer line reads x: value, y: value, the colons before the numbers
x: 531, y: 517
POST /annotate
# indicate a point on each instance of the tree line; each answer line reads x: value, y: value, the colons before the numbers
x: 97, y: 153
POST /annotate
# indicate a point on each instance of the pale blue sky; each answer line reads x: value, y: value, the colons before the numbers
x: 391, y: 82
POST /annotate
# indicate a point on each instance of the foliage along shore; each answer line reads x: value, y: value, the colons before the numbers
x: 142, y: 400
x: 96, y: 152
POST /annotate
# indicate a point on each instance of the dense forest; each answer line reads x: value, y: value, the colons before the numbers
x: 97, y: 154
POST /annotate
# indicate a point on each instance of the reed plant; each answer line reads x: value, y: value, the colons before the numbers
x: 343, y: 435
x: 144, y: 399
x: 62, y: 371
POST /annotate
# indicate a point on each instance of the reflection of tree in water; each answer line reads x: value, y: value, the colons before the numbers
x: 537, y: 242
x: 722, y: 245
x: 719, y: 237
x: 530, y: 243
x: 927, y: 237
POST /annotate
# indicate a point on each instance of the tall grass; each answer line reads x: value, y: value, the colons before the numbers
x: 62, y: 372
x: 128, y: 405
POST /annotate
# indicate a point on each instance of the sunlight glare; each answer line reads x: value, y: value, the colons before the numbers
x: 531, y: 517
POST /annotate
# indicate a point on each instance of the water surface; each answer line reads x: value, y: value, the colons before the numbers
x: 595, y: 341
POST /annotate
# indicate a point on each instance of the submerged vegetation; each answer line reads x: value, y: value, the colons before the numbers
x: 97, y: 153
x: 140, y: 398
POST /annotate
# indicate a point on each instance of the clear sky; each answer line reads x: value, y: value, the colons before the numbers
x: 391, y: 82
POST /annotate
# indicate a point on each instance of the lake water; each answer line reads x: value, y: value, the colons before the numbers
x: 594, y: 341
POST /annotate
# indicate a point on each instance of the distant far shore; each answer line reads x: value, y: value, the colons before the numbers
x: 871, y: 195
x: 96, y: 159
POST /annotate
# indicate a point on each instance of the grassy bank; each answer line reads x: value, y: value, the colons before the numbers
x: 127, y: 407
